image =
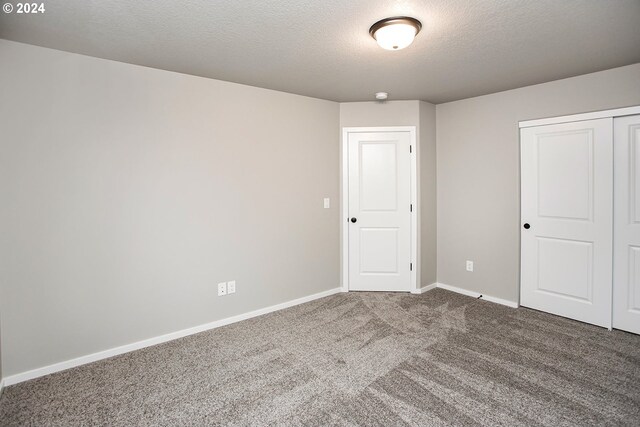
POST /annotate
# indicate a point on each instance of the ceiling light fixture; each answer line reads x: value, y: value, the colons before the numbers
x: 395, y: 33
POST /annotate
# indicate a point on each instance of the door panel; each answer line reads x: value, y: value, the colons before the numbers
x: 567, y: 192
x: 567, y: 158
x: 554, y: 278
x: 378, y: 176
x: 626, y: 275
x: 379, y: 200
x: 378, y: 250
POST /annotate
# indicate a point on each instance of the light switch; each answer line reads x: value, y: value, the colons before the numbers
x: 327, y: 203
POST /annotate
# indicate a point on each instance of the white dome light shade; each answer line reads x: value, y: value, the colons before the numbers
x: 395, y: 33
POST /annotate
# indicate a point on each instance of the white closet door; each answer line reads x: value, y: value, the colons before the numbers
x: 626, y: 275
x: 566, y: 228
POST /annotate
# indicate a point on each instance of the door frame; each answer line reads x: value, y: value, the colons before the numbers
x: 344, y: 197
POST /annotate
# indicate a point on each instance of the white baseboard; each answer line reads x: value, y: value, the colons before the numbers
x: 1, y: 386
x: 501, y: 301
x: 83, y: 360
x: 474, y: 294
x: 457, y: 290
x: 424, y: 289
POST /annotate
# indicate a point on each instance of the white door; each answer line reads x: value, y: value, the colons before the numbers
x: 379, y: 223
x: 566, y: 227
x: 626, y: 237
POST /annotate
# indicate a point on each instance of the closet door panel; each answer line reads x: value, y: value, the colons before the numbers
x: 626, y: 275
x: 567, y: 192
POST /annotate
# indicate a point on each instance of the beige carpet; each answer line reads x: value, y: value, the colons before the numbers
x: 375, y: 359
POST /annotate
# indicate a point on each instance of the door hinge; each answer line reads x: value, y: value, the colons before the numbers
x: 410, y: 266
x: 410, y: 149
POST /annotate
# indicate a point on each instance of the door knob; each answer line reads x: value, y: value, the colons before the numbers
x: 526, y: 226
x: 354, y: 219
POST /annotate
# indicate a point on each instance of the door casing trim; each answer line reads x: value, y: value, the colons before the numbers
x: 602, y: 114
x: 344, y: 198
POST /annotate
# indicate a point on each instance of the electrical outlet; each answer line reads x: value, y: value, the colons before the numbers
x: 327, y: 203
x: 222, y: 289
x: 231, y: 287
x: 469, y: 265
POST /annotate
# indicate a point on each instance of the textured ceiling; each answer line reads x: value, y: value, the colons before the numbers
x: 322, y: 48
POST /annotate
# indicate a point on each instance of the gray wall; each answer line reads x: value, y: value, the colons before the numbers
x: 388, y: 113
x: 1, y: 349
x: 422, y: 115
x: 128, y: 193
x: 478, y: 172
x: 428, y: 193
